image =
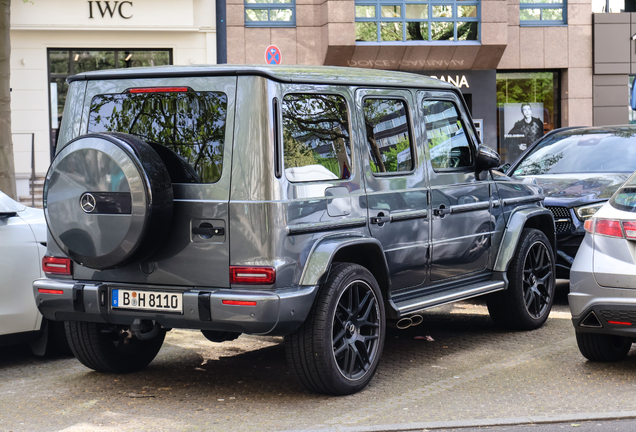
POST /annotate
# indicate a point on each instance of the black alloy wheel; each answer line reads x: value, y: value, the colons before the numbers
x: 337, y: 349
x: 356, y: 330
x: 537, y: 280
x: 526, y: 303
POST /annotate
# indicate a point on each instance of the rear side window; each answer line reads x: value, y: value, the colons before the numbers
x: 447, y: 142
x: 316, y: 139
x: 388, y: 140
x: 191, y: 125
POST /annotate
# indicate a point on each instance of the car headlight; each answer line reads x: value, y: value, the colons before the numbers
x: 587, y: 211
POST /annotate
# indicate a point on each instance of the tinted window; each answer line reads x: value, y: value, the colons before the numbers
x: 316, y: 137
x: 625, y: 197
x: 447, y: 142
x: 388, y: 138
x: 190, y: 124
x: 581, y: 152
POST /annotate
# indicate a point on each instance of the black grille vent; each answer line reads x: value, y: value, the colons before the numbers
x: 561, y: 213
x: 619, y: 315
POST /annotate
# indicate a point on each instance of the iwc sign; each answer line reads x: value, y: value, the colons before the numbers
x: 110, y: 9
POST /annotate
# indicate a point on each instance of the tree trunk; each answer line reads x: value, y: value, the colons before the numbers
x: 7, y: 169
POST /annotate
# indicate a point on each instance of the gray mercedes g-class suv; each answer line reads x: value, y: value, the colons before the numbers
x: 317, y: 203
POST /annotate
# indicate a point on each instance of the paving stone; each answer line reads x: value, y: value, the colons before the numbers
x: 470, y: 373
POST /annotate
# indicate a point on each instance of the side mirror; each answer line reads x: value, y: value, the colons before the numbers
x: 487, y: 158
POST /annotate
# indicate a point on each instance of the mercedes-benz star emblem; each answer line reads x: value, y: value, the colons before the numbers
x: 88, y: 203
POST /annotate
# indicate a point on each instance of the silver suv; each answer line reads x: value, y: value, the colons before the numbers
x: 316, y: 203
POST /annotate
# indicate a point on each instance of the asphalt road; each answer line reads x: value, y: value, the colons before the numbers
x: 470, y: 374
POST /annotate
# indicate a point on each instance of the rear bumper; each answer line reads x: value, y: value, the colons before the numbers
x: 596, y: 308
x: 276, y: 312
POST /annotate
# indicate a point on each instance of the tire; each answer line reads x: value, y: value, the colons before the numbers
x: 337, y: 349
x: 107, y: 350
x: 527, y: 302
x: 603, y: 348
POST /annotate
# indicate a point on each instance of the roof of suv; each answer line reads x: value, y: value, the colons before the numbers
x: 290, y: 74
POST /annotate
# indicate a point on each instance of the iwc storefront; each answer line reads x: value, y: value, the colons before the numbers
x: 53, y: 40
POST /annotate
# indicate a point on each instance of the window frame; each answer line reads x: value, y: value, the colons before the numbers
x: 268, y: 7
x: 280, y: 132
x: 402, y: 19
x: 470, y: 138
x: 410, y: 129
x: 547, y: 23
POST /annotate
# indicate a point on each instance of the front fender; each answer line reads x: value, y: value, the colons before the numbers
x: 517, y: 222
x: 323, y: 251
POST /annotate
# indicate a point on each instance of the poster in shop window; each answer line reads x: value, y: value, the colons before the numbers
x: 522, y: 125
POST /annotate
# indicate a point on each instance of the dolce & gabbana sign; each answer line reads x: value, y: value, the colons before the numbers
x: 108, y: 8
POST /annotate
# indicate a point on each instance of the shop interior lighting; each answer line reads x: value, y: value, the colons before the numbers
x: 76, y: 57
x: 128, y: 57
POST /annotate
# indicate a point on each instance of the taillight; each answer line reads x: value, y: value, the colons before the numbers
x: 252, y: 275
x: 50, y: 291
x: 158, y: 90
x: 609, y: 228
x: 589, y: 226
x: 620, y: 323
x: 58, y: 266
x: 630, y: 230
x: 238, y: 303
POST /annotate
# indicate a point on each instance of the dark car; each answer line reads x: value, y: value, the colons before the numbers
x: 320, y: 204
x: 579, y: 169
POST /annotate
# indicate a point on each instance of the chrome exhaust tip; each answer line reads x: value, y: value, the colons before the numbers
x: 416, y: 320
x: 404, y: 323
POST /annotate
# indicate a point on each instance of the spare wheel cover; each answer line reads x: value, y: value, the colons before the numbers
x: 107, y: 200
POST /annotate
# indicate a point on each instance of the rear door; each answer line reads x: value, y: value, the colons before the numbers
x: 186, y: 119
x: 395, y: 177
x: 461, y: 219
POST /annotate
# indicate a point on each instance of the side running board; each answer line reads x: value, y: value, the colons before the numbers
x: 449, y: 296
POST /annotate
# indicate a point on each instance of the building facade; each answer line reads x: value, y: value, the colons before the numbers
x: 503, y: 54
x: 52, y: 40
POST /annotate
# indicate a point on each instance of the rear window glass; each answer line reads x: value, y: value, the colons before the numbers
x: 625, y: 198
x: 190, y: 124
x: 316, y: 137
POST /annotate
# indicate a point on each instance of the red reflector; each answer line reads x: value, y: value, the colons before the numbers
x: 49, y: 291
x: 55, y: 265
x: 589, y: 226
x: 610, y: 228
x: 630, y: 230
x: 619, y: 323
x: 239, y: 303
x: 252, y: 275
x: 158, y: 90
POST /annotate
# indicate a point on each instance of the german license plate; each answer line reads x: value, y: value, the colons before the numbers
x: 147, y: 300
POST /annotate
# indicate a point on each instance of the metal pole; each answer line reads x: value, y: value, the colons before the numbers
x: 32, y: 169
x: 221, y: 33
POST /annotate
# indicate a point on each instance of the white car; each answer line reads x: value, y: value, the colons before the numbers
x: 22, y: 246
x: 603, y: 279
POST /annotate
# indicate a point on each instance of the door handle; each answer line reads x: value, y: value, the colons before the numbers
x: 380, y: 219
x: 441, y: 211
x: 207, y: 230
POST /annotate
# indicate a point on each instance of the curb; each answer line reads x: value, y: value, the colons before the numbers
x: 511, y: 421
